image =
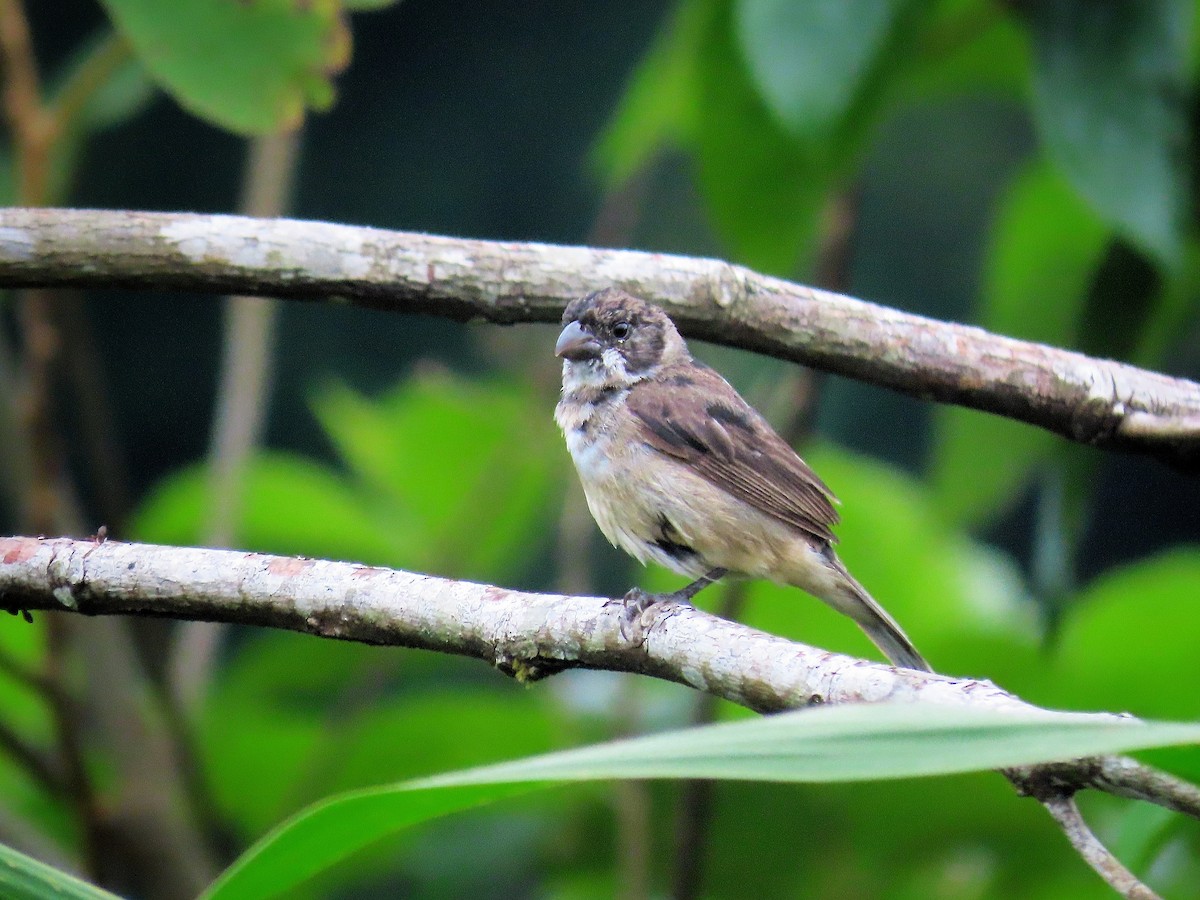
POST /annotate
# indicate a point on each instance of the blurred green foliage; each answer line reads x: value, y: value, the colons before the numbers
x: 415, y: 465
x: 776, y: 108
x: 1127, y: 56
x: 253, y: 68
x: 1046, y: 245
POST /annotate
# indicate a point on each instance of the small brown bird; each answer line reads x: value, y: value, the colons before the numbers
x: 679, y: 469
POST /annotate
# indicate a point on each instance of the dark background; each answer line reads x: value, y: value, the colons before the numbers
x: 481, y: 125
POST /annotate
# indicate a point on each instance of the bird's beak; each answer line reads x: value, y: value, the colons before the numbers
x: 576, y: 344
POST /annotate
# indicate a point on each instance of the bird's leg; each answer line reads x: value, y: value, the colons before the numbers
x: 687, y: 592
x: 636, y: 603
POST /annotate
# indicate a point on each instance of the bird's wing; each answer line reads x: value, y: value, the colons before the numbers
x: 692, y: 414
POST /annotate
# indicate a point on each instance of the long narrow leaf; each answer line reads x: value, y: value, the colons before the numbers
x: 849, y: 743
x: 24, y: 878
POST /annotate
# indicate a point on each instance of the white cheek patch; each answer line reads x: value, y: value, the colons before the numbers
x: 586, y: 374
x: 614, y: 364
x: 606, y: 372
x: 617, y: 372
x: 610, y: 370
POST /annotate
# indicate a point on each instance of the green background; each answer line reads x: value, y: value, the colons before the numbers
x: 1026, y: 167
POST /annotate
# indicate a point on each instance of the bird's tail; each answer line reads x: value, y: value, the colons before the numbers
x: 872, y: 618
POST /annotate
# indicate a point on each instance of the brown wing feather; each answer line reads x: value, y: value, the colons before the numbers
x: 691, y: 413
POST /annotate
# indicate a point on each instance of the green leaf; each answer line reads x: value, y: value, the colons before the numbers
x: 1110, y: 100
x: 270, y: 746
x: 764, y: 183
x: 763, y: 186
x: 329, y: 832
x: 1126, y: 635
x: 1045, y: 248
x: 661, y: 100
x: 401, y: 504
x: 430, y: 449
x: 810, y: 60
x: 289, y: 505
x: 24, y: 878
x: 1176, y: 304
x: 251, y: 67
x: 967, y: 46
x: 110, y: 79
x: 847, y: 743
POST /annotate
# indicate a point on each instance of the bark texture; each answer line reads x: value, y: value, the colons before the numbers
x: 1093, y: 401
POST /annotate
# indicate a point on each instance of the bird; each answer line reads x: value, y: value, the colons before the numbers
x: 678, y: 469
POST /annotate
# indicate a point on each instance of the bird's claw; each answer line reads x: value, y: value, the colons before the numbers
x: 640, y: 610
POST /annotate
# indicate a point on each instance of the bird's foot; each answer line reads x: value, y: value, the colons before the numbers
x: 641, y: 609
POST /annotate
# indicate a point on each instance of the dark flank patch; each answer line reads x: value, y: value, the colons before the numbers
x: 727, y: 415
x: 668, y: 542
x: 681, y: 379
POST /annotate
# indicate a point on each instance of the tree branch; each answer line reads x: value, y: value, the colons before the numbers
x: 536, y: 634
x: 1093, y: 401
x: 533, y: 635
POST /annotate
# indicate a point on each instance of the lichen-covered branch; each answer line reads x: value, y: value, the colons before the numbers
x: 1090, y: 400
x: 530, y: 635
x: 522, y: 633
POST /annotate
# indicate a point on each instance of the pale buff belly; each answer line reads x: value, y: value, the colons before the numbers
x: 630, y: 502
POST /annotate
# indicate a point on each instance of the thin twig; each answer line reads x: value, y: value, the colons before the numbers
x: 694, y: 806
x: 1117, y: 775
x: 1127, y: 777
x: 1064, y: 811
x: 32, y: 127
x: 104, y: 61
x: 143, y: 817
x: 92, y: 405
x: 65, y: 714
x: 33, y: 760
x: 47, y: 497
x: 241, y: 411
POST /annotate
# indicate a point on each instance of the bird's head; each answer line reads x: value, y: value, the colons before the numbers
x: 613, y: 339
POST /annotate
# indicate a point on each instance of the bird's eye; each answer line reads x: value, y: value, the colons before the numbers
x: 621, y: 331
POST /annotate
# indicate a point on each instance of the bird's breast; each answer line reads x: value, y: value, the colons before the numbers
x: 587, y: 427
